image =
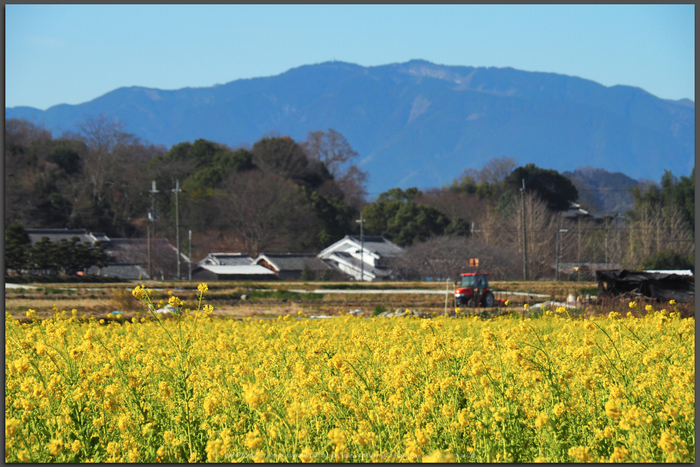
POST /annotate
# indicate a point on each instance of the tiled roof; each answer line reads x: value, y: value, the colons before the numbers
x: 293, y: 261
x: 227, y: 258
x: 123, y: 271
x: 244, y: 269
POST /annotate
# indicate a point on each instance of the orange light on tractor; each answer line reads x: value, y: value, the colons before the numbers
x: 474, y: 262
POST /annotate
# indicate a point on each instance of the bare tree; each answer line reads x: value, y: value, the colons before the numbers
x: 505, y: 230
x: 333, y: 150
x: 264, y: 211
x: 497, y: 169
x: 494, y: 171
x: 541, y: 231
x: 677, y: 236
x: 20, y: 132
x: 107, y: 144
x: 446, y: 257
x: 452, y: 203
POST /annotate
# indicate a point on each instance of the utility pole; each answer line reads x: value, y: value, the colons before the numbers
x: 177, y: 225
x: 189, y: 248
x: 152, y: 217
x: 578, y: 228
x: 362, y: 246
x: 561, y: 231
x: 148, y: 237
x: 522, y: 199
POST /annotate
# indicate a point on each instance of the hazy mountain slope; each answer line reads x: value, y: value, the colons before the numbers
x: 601, y: 190
x: 417, y: 124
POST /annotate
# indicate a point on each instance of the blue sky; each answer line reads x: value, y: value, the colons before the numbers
x: 74, y: 53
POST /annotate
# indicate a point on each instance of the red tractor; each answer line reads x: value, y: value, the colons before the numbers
x: 474, y: 290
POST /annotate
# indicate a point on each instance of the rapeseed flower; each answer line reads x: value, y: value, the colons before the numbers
x: 255, y: 390
x: 55, y: 446
x: 439, y: 457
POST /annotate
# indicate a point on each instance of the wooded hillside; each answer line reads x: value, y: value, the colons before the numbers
x: 285, y: 196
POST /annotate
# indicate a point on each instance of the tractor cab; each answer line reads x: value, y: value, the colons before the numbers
x: 473, y: 290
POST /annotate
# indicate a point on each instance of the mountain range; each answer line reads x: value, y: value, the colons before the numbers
x: 415, y: 123
x: 600, y: 190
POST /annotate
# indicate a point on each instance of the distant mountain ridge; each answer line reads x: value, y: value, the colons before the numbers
x: 600, y: 190
x: 416, y: 123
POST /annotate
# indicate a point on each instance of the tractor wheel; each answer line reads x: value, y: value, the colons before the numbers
x: 488, y: 300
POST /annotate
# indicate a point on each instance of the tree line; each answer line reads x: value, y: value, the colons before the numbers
x: 65, y: 257
x: 288, y: 196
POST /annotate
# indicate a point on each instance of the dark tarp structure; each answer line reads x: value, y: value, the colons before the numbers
x: 649, y: 284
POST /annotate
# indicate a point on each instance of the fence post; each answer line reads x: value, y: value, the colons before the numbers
x: 447, y: 283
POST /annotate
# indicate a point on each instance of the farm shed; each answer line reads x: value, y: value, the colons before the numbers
x: 661, y: 286
x: 291, y: 265
x: 247, y: 272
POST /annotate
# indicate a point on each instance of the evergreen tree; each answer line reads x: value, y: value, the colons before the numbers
x: 17, y: 246
x: 43, y: 255
x: 399, y: 218
x: 551, y: 187
x: 669, y: 260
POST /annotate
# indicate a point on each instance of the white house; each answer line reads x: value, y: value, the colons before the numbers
x: 362, y: 258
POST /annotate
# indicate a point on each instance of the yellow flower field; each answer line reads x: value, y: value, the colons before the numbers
x: 189, y: 388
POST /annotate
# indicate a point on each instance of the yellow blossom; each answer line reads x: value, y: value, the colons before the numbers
x: 612, y: 409
x: 55, y: 446
x: 666, y: 442
x: 305, y: 455
x: 439, y: 457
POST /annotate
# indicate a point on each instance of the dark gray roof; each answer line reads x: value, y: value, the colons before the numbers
x: 123, y: 271
x: 135, y: 250
x: 229, y: 259
x: 101, y: 236
x: 293, y: 261
x: 236, y: 269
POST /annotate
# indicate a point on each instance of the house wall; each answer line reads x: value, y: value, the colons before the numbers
x: 267, y: 265
x: 204, y: 275
x: 366, y: 258
x: 289, y: 275
x: 208, y: 276
x: 349, y: 271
